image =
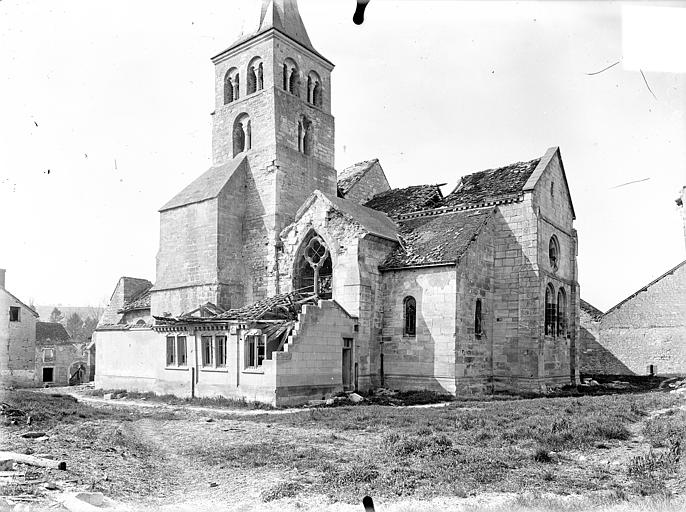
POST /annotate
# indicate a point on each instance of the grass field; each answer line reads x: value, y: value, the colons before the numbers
x: 602, y: 451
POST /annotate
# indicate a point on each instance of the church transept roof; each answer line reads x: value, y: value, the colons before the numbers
x: 436, y: 239
x: 492, y: 185
x: 399, y: 201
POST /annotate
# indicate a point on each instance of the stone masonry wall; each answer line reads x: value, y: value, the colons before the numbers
x: 356, y: 256
x: 372, y: 183
x: 475, y: 280
x: 311, y: 364
x: 426, y: 360
x: 594, y: 358
x: 17, y: 343
x: 650, y: 328
x: 558, y: 358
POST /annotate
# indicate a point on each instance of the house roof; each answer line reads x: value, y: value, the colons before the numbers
x: 140, y: 302
x: 351, y: 175
x: 33, y: 311
x: 645, y: 288
x: 207, y: 186
x: 593, y: 311
x: 436, y: 239
x: 51, y: 332
x: 492, y: 184
x: 399, y: 201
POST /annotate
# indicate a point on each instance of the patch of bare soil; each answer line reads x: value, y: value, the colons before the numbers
x: 164, y: 458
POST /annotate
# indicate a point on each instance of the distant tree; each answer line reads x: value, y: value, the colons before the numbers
x: 74, y: 326
x: 56, y: 316
x: 89, y: 325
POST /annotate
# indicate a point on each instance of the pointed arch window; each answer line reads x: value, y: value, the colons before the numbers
x: 550, y: 310
x: 561, y: 313
x: 409, y: 316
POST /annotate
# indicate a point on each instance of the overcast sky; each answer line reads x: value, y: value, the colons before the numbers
x: 105, y: 116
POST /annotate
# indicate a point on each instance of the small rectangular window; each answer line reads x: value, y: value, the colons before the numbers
x: 171, y: 351
x: 48, y: 354
x: 478, y: 329
x: 220, y: 350
x: 181, y: 350
x: 14, y: 313
x: 206, y: 350
x: 254, y: 350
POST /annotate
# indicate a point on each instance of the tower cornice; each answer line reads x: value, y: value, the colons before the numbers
x: 271, y: 33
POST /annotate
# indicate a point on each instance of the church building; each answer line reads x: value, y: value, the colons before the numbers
x: 280, y: 279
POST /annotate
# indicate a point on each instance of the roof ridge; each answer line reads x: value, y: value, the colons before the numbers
x: 645, y: 288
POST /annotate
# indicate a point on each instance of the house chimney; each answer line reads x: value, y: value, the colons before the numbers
x: 2, y: 278
x: 680, y: 203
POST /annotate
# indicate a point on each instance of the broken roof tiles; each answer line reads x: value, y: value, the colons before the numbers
x: 139, y: 302
x: 399, y: 201
x: 351, y: 175
x: 285, y: 306
x: 492, y: 185
x: 437, y: 239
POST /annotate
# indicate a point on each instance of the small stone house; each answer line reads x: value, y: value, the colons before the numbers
x: 60, y: 360
x: 280, y: 279
x: 17, y: 339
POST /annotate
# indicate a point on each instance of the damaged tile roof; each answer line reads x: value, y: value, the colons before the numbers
x: 140, y: 301
x: 207, y: 186
x: 436, y: 239
x: 492, y: 185
x: 285, y: 306
x: 51, y: 332
x: 374, y: 221
x: 406, y: 200
x: 351, y: 175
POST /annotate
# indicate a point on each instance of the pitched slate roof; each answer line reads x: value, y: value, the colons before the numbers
x: 399, y: 201
x: 207, y: 186
x: 436, y: 239
x: 351, y: 175
x: 593, y: 311
x: 492, y: 185
x: 282, y: 16
x: 51, y: 332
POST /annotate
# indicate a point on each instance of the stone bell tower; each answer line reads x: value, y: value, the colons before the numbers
x: 273, y: 106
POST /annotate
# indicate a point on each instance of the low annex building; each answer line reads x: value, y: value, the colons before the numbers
x: 644, y: 334
x: 280, y: 279
x: 60, y: 360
